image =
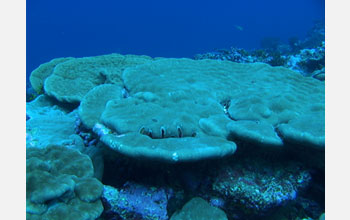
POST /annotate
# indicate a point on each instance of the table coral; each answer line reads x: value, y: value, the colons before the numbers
x: 173, y: 102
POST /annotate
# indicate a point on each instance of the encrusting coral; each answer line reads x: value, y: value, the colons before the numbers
x: 71, y: 80
x: 60, y: 185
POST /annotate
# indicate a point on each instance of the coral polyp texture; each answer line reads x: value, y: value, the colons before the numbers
x: 198, y: 209
x: 162, y: 111
x: 39, y: 75
x: 173, y: 104
x: 269, y: 96
x: 93, y: 104
x: 185, y: 110
x: 71, y: 80
x: 60, y: 185
x: 49, y: 124
x: 135, y: 201
x: 259, y: 186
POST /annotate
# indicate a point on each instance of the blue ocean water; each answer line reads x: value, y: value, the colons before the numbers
x: 180, y: 28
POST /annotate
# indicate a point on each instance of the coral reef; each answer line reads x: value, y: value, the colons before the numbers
x: 306, y: 61
x: 39, y: 75
x: 94, y: 102
x: 197, y: 121
x: 60, y: 185
x: 49, y: 123
x: 135, y: 201
x: 259, y: 186
x: 304, y: 56
x: 71, y: 80
x: 163, y: 112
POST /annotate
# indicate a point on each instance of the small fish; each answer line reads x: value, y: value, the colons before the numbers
x: 240, y: 28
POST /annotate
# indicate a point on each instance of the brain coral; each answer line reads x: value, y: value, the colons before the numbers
x: 183, y: 109
x: 60, y: 185
x: 71, y: 80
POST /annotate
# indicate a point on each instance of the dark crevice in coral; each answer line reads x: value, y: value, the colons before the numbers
x: 125, y: 92
x: 163, y: 133
x: 278, y: 133
x: 226, y: 105
x: 67, y: 107
x: 103, y: 76
x: 179, y: 131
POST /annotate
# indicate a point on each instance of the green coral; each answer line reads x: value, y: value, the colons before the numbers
x: 39, y: 75
x: 174, y: 99
x: 269, y: 96
x: 88, y: 189
x: 260, y: 133
x: 71, y: 80
x: 60, y: 185
x: 94, y: 102
x: 165, y: 131
x: 198, y: 209
x: 169, y: 150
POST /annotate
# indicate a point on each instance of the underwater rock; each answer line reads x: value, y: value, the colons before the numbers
x: 305, y: 57
x: 217, y: 202
x: 135, y: 201
x: 310, y: 208
x: 255, y: 186
x: 60, y: 185
x: 307, y: 61
x: 234, y: 54
x: 198, y: 209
